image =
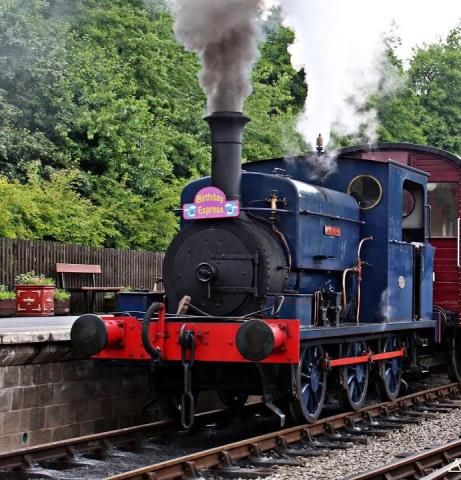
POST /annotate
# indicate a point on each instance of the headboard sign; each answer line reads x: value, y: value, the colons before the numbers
x: 210, y: 202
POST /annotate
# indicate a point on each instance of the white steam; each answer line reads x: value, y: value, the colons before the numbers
x: 340, y: 45
x: 225, y: 34
x: 385, y: 309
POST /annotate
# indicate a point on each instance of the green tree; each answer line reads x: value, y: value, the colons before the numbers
x: 435, y: 77
x: 418, y: 104
x: 34, y: 103
x: 138, y: 98
x: 51, y: 210
x: 399, y: 112
x: 103, y: 89
x: 279, y: 93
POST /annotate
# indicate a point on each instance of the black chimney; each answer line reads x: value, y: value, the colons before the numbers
x: 226, y: 147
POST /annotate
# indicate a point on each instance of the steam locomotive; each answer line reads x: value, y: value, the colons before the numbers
x: 286, y: 285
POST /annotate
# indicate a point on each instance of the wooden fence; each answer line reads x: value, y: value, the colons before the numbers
x: 119, y: 267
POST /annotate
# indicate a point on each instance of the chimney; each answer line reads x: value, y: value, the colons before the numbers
x: 226, y: 151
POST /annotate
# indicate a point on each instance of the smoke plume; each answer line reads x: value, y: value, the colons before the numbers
x: 225, y: 34
x: 340, y: 45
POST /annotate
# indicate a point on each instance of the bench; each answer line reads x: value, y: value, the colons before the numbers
x: 84, y: 269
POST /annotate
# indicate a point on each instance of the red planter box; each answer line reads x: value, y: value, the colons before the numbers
x: 34, y: 300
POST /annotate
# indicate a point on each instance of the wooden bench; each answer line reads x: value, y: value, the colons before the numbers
x: 84, y: 269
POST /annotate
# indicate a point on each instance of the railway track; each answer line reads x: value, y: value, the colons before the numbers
x: 253, y: 457
x: 71, y: 452
x: 249, y: 458
x: 439, y: 463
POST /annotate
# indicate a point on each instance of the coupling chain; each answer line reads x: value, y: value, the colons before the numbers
x: 187, y: 342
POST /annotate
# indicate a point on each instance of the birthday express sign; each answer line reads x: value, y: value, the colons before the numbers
x: 210, y: 202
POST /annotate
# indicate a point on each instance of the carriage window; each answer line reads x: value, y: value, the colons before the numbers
x: 366, y: 190
x: 443, y: 199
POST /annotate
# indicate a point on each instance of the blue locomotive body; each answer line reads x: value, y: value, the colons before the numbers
x: 323, y: 224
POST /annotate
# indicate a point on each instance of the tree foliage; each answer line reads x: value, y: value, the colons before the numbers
x: 419, y: 103
x: 100, y: 91
x: 51, y: 209
x: 435, y: 77
x: 278, y: 97
x: 101, y: 116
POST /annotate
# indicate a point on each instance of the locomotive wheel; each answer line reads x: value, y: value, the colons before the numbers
x: 309, y: 381
x: 232, y: 399
x: 390, y: 371
x: 354, y: 378
x: 454, y: 356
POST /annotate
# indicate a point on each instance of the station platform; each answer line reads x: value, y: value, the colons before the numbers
x: 21, y: 330
x: 48, y: 392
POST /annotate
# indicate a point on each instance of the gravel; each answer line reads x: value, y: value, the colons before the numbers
x: 340, y: 464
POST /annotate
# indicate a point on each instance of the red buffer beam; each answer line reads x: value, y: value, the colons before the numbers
x: 214, y: 341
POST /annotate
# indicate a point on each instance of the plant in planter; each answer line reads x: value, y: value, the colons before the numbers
x: 61, y: 302
x: 34, y: 295
x: 7, y: 302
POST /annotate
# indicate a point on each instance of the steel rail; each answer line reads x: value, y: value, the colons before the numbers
x: 452, y: 471
x: 189, y: 465
x: 429, y: 465
x: 70, y: 448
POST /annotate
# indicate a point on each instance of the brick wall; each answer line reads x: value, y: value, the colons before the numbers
x: 45, y: 402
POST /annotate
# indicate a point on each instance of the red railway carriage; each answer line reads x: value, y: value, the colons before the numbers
x: 444, y: 196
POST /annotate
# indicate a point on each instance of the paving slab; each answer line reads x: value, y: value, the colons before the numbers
x: 20, y: 330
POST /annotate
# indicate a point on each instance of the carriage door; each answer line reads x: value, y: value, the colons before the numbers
x: 444, y: 185
x: 445, y: 237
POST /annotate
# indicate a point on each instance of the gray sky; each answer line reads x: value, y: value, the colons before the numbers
x: 418, y: 21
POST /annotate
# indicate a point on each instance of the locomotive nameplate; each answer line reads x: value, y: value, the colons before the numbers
x: 210, y: 202
x: 332, y: 231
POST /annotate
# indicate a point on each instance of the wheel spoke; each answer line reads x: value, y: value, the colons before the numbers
x: 310, y: 375
x: 391, y: 369
x: 355, y: 376
x: 353, y: 388
x: 315, y: 397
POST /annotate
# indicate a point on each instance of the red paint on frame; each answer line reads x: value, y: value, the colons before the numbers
x: 215, y: 342
x: 371, y: 357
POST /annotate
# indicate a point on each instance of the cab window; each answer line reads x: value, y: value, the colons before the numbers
x: 412, y: 212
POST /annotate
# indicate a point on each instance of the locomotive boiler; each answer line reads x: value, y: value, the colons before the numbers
x: 288, y: 286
